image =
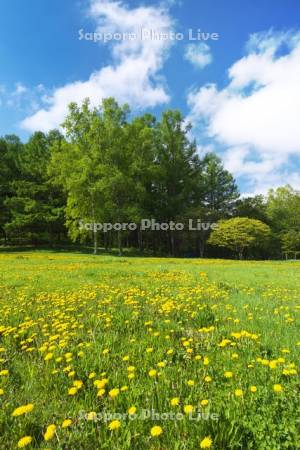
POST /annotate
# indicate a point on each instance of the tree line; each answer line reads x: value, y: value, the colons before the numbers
x: 108, y: 166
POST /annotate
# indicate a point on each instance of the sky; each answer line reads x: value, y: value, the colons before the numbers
x: 232, y: 67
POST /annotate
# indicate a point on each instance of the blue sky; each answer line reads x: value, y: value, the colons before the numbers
x: 227, y: 87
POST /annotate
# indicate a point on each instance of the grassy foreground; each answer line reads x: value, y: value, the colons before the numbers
x: 100, y: 352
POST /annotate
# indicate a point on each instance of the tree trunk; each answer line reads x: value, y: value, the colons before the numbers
x: 120, y: 243
x: 95, y: 243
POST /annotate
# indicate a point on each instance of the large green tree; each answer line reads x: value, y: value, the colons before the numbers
x: 239, y: 234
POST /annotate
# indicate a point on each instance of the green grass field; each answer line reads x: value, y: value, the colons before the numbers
x: 101, y: 352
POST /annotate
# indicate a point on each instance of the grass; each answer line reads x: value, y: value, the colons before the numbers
x: 206, y: 351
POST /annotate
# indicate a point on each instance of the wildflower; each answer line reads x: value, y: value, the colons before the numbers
x: 24, y: 441
x: 161, y: 364
x: 101, y: 392
x: 22, y: 410
x: 277, y: 388
x: 132, y: 410
x: 204, y: 402
x: 114, y: 392
x: 253, y: 389
x: 156, y: 431
x: 4, y: 372
x: 152, y: 373
x: 208, y: 379
x: 48, y: 356
x: 78, y: 384
x: 206, y: 442
x: 1, y: 391
x: 188, y: 409
x: 66, y: 423
x: 238, y: 393
x: 114, y: 425
x: 50, y: 432
x: 174, y: 401
x: 92, y: 415
x: 228, y: 374
x: 206, y: 361
x: 191, y: 383
x: 72, y: 391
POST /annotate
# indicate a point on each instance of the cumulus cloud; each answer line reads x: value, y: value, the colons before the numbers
x: 255, y: 118
x: 198, y: 54
x: 133, y: 76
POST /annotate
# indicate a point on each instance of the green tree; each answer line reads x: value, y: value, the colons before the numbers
x: 36, y: 206
x: 239, y: 234
x: 10, y: 149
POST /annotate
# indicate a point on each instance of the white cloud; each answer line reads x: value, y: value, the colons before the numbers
x: 132, y: 77
x: 198, y: 54
x: 256, y: 116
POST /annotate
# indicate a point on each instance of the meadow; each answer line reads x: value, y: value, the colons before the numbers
x: 103, y: 352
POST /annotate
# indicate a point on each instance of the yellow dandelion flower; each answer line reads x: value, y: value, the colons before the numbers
x: 253, y: 389
x: 277, y: 388
x: 114, y: 392
x: 73, y: 391
x: 204, y: 402
x: 156, y: 431
x: 238, y: 393
x: 228, y: 374
x: 114, y: 425
x: 24, y: 441
x: 22, y: 410
x: 188, y: 409
x: 174, y: 401
x: 66, y: 423
x: 206, y: 442
x: 132, y: 410
x: 152, y: 373
x: 101, y: 392
x: 50, y: 432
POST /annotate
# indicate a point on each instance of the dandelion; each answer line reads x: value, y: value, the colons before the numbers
x: 50, y: 432
x: 4, y: 372
x: 92, y: 415
x: 174, y: 401
x: 114, y: 392
x: 188, y: 409
x: 132, y: 410
x: 101, y: 392
x: 206, y: 442
x: 238, y: 393
x: 152, y: 373
x: 277, y: 388
x: 66, y: 423
x: 204, y: 402
x: 24, y: 441
x: 114, y: 425
x: 73, y: 391
x: 156, y: 431
x: 22, y: 410
x: 253, y: 389
x: 228, y: 374
x: 1, y: 391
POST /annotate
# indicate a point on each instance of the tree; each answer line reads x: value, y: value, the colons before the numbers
x: 239, y: 234
x: 10, y: 149
x: 219, y: 187
x: 36, y: 206
x: 177, y: 170
x: 291, y: 242
x: 99, y: 166
x: 253, y: 207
